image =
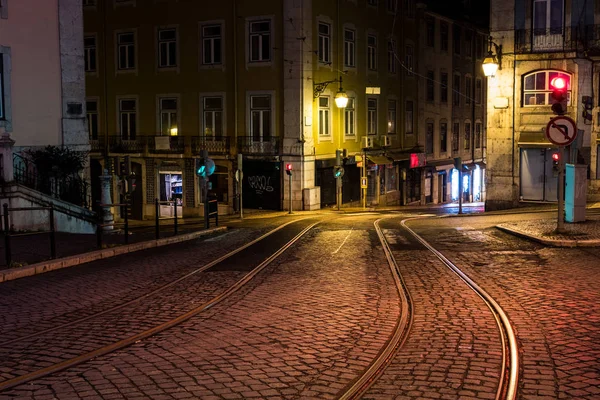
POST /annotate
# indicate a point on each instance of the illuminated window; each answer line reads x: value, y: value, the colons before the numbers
x: 168, y: 116
x: 391, y: 124
x: 537, y: 90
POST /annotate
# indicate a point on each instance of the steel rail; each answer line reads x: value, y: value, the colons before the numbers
x: 155, y: 330
x: 399, y: 334
x: 155, y: 291
x: 510, y: 362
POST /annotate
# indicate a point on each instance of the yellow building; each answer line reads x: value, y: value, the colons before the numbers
x: 167, y: 79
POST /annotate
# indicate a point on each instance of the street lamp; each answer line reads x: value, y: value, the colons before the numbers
x: 341, y: 98
x: 492, y: 62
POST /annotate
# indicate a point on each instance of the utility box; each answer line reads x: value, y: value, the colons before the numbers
x: 575, y: 192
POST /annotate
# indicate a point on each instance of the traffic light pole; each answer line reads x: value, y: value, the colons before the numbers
x: 290, y: 192
x: 560, y: 227
x: 363, y: 191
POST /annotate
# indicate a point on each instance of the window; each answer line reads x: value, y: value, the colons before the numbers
x: 408, y: 118
x: 477, y: 135
x: 467, y: 135
x: 430, y: 92
x: 456, y: 91
x: 536, y: 87
x: 409, y: 8
x: 349, y: 118
x: 547, y: 17
x: 444, y: 87
x: 469, y: 44
x: 349, y: 48
x: 324, y: 43
x: 260, y: 117
x: 443, y: 137
x: 126, y: 50
x: 392, y: 6
x: 455, y: 134
x: 91, y: 107
x: 429, y: 138
x: 212, y: 44
x: 167, y: 48
x: 479, y: 47
x: 213, y: 117
x: 260, y: 41
x: 391, y: 53
x: 478, y: 91
x: 430, y: 32
x: 371, y: 116
x: 372, y: 52
x: 128, y: 118
x: 324, y: 116
x: 391, y: 117
x: 168, y: 116
x: 444, y: 36
x: 1, y: 87
x: 408, y: 59
x: 89, y: 53
x: 468, y: 90
x: 456, y: 39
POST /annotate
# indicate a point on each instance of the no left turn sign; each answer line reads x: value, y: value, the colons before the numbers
x: 561, y: 130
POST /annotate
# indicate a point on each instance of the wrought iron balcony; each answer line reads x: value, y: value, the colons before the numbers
x: 213, y: 144
x: 571, y: 38
x: 258, y: 145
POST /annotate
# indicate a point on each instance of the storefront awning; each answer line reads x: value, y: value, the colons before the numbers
x: 379, y: 160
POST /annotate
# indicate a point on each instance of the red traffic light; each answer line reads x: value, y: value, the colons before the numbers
x: 288, y: 167
x: 559, y: 83
x: 555, y: 157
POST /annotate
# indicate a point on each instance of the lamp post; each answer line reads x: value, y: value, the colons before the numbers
x: 341, y: 101
x: 492, y: 62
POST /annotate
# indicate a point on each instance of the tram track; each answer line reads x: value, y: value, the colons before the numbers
x: 122, y: 343
x: 508, y: 382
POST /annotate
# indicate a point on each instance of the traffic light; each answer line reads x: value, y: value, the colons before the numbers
x: 338, y: 171
x: 205, y: 166
x: 288, y: 169
x: 587, y: 108
x: 555, y: 162
x: 559, y: 86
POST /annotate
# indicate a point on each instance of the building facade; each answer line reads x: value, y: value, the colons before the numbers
x: 452, y: 104
x: 535, y: 42
x: 167, y: 79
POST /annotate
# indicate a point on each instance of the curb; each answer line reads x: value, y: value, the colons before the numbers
x: 552, y: 242
x: 70, y: 261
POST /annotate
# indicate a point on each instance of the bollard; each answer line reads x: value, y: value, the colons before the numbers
x: 126, y: 216
x: 52, y: 234
x: 7, y: 252
x: 157, y: 228
x: 175, y: 221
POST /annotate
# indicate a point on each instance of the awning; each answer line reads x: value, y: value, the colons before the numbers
x: 379, y: 160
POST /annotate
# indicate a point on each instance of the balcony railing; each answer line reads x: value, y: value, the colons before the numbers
x: 214, y: 144
x: 258, y: 145
x: 572, y: 38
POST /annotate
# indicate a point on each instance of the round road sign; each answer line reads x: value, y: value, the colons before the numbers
x: 561, y: 130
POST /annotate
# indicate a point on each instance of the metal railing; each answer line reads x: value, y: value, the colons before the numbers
x: 570, y: 38
x: 258, y: 145
x: 214, y: 145
x: 70, y: 188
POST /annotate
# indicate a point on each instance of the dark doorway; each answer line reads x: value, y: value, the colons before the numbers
x: 262, y: 185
